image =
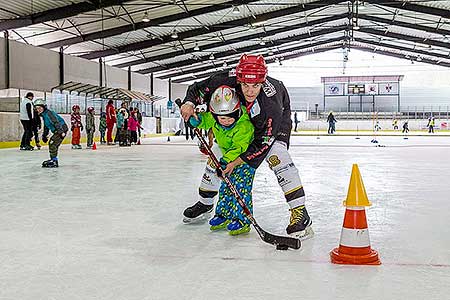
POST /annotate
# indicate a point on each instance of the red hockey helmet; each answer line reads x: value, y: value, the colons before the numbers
x: 75, y: 107
x: 251, y: 69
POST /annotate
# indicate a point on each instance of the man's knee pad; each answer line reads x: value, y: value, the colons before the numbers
x: 207, y: 194
x: 286, y: 172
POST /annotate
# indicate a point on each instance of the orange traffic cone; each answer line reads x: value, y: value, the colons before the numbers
x: 354, y: 246
x: 139, y: 142
x: 94, y: 147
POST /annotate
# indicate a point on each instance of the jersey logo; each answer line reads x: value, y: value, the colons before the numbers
x: 274, y: 161
x: 255, y: 110
x: 269, y: 89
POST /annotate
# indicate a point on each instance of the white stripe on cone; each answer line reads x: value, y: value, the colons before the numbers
x: 358, y: 238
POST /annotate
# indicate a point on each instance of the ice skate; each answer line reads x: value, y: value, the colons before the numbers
x: 197, y: 213
x: 218, y: 223
x: 300, y: 224
x: 238, y: 227
x: 51, y: 163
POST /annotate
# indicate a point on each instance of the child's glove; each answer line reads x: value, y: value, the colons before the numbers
x: 195, y: 122
x: 223, y: 165
x: 44, y: 138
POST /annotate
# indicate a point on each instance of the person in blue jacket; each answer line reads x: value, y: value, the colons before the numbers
x: 54, y: 123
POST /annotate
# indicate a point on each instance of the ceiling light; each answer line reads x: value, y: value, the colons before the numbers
x: 145, y: 19
x: 225, y: 64
x: 356, y: 27
x: 262, y: 42
x: 446, y: 39
x: 259, y: 23
x: 196, y: 48
x: 407, y: 56
x: 174, y: 35
x: 362, y: 5
x: 419, y: 58
x: 270, y: 52
x: 236, y: 10
x: 211, y: 57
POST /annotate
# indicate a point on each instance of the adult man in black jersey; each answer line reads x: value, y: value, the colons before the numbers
x: 268, y: 105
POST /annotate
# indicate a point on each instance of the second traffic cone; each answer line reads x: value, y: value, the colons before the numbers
x: 94, y: 147
x: 354, y: 246
x: 139, y: 142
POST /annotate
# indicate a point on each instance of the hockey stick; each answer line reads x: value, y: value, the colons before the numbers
x: 282, y: 242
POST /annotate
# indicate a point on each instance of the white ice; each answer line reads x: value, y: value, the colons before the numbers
x: 107, y: 225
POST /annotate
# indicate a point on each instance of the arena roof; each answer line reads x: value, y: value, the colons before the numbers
x: 186, y: 39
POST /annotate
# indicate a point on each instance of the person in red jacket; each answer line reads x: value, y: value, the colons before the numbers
x: 110, y: 121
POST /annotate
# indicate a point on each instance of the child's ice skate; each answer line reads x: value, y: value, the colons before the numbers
x: 197, y: 212
x: 51, y: 163
x: 238, y: 227
x: 300, y: 224
x: 218, y: 222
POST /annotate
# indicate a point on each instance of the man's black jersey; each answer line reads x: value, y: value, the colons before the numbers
x: 270, y: 113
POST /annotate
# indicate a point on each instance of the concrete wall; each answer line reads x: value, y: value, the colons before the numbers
x: 33, y: 68
x: 11, y: 128
x: 37, y: 69
x: 9, y: 104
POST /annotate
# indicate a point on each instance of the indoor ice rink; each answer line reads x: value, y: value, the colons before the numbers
x: 369, y: 94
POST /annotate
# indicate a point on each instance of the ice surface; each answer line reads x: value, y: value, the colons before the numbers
x: 107, y: 225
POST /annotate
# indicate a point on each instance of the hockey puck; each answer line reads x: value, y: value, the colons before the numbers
x: 282, y: 247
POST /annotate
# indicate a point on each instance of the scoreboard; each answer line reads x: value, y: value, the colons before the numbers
x: 356, y: 89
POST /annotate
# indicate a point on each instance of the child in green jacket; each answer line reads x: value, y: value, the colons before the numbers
x: 233, y: 132
x: 90, y: 126
x: 102, y: 127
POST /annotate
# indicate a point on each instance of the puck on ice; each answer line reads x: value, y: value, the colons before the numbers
x: 282, y: 247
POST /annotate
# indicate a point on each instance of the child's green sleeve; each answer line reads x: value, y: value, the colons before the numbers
x: 205, y: 120
x: 241, y: 141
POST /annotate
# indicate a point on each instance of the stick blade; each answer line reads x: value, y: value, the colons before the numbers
x: 276, y: 240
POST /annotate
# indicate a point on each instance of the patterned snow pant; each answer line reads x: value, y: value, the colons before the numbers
x: 227, y: 206
x: 280, y: 162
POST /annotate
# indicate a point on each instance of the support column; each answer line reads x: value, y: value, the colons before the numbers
x: 129, y: 78
x: 100, y: 74
x: 61, y: 66
x: 151, y: 85
x: 7, y: 62
x: 170, y: 88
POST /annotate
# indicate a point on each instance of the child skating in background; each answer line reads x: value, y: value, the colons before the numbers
x: 405, y: 127
x: 77, y: 127
x: 36, y: 126
x: 233, y: 131
x: 121, y: 135
x: 90, y: 126
x: 54, y: 123
x: 102, y: 127
x: 377, y: 126
x: 133, y: 125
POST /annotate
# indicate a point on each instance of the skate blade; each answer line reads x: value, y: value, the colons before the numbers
x: 200, y: 219
x: 304, y: 235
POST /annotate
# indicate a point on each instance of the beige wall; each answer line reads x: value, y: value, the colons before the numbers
x: 37, y: 69
x: 33, y: 68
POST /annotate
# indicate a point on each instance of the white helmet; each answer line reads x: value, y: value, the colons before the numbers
x: 39, y: 102
x: 224, y: 101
